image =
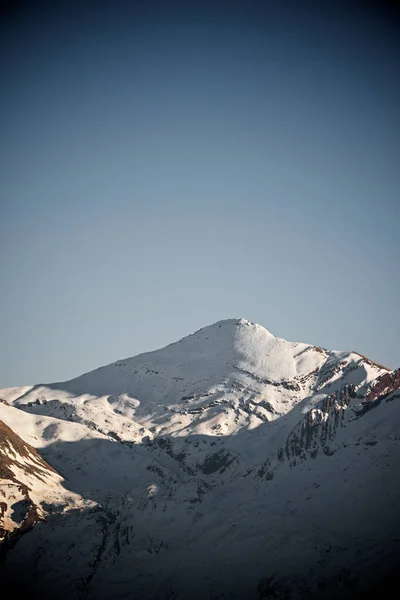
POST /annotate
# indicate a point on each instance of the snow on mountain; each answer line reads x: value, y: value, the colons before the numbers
x: 231, y: 463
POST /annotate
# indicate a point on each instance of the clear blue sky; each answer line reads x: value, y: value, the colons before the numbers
x: 165, y: 167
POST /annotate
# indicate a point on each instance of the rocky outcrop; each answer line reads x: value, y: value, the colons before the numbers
x: 384, y: 385
x: 317, y: 428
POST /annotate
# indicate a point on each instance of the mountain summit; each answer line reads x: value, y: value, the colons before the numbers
x: 229, y: 464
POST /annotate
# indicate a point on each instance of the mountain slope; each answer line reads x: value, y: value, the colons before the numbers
x: 29, y: 486
x: 229, y: 464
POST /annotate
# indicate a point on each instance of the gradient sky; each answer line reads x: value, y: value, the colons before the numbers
x: 165, y: 167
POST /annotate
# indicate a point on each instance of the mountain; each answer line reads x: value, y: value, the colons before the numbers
x: 230, y: 464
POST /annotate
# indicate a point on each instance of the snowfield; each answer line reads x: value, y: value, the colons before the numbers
x: 230, y: 464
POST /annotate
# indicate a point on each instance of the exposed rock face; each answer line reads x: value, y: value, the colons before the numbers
x: 384, y: 384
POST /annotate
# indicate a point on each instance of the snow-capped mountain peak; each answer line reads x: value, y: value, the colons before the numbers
x: 230, y: 453
x: 231, y: 375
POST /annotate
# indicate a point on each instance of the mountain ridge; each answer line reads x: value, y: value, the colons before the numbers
x: 207, y: 368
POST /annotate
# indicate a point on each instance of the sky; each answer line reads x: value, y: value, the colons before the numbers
x: 165, y: 166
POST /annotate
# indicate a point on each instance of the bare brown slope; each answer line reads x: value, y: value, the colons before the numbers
x: 17, y: 455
